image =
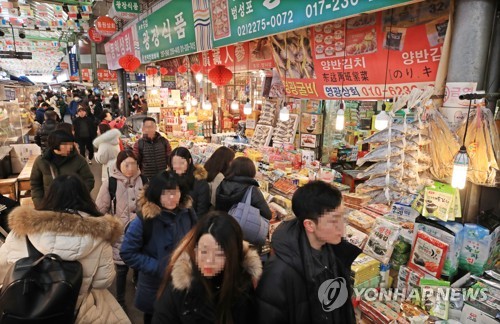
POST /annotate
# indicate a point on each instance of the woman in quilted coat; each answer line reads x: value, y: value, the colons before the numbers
x: 128, y: 182
x: 69, y: 225
x: 108, y: 147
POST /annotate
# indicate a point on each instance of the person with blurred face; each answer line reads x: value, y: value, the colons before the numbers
x: 194, y: 177
x: 164, y: 217
x: 59, y: 158
x: 85, y: 132
x: 309, y: 250
x: 211, y: 276
x: 152, y: 150
x: 108, y: 147
x: 127, y: 183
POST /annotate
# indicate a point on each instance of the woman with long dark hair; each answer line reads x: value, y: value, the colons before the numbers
x: 240, y: 177
x: 68, y: 224
x: 211, y: 276
x: 163, y: 218
x: 217, y: 166
x: 194, y: 177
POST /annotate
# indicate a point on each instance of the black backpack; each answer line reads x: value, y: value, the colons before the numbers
x: 40, y: 289
x: 113, y: 185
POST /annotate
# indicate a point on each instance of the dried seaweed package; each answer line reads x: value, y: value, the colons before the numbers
x: 439, y: 202
x: 381, y: 240
x: 428, y: 254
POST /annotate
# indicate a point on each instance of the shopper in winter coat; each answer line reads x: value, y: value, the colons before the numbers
x: 108, y: 147
x: 85, y: 133
x: 152, y: 150
x: 163, y: 219
x: 217, y: 166
x: 72, y: 109
x: 115, y: 105
x: 58, y: 159
x: 70, y: 226
x: 240, y: 177
x: 194, y: 177
x: 129, y: 184
x: 309, y: 251
x: 48, y: 127
x: 107, y: 118
x: 210, y: 277
x: 40, y: 112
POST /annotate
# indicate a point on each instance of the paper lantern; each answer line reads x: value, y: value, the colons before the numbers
x: 152, y: 71
x: 220, y: 75
x: 163, y: 71
x: 196, y: 68
x: 129, y: 62
x: 182, y: 69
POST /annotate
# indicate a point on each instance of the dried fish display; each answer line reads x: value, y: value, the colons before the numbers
x: 483, y: 147
x: 262, y: 135
x: 284, y: 132
x: 292, y: 54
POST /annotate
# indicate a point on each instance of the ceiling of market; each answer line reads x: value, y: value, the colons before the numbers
x: 49, y: 27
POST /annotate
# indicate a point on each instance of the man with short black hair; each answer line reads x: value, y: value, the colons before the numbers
x: 58, y: 159
x: 152, y: 150
x: 40, y: 112
x: 85, y: 132
x: 48, y: 127
x: 310, y: 261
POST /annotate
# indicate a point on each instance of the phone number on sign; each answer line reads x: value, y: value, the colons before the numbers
x: 277, y: 20
x: 371, y: 91
x: 316, y: 9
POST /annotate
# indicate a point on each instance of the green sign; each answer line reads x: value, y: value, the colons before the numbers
x: 130, y: 6
x: 235, y: 21
x: 168, y: 32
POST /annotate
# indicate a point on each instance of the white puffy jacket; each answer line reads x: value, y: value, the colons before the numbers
x: 85, y: 239
x: 108, y: 147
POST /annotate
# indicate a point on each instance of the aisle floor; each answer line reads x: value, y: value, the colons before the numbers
x: 134, y: 314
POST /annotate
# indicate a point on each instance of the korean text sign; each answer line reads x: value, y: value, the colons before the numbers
x: 349, y: 58
x: 167, y: 32
x: 239, y: 20
x: 119, y: 46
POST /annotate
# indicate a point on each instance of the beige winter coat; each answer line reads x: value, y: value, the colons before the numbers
x: 213, y: 187
x: 86, y: 239
x: 127, y: 193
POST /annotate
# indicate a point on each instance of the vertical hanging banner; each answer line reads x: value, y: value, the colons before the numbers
x: 167, y: 32
x: 119, y: 46
x: 73, y: 65
x: 350, y: 58
x: 239, y: 20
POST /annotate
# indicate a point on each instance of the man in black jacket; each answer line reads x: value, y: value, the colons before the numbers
x: 306, y: 281
x: 85, y: 132
x: 48, y: 127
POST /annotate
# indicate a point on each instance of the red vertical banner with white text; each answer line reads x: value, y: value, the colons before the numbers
x: 396, y: 50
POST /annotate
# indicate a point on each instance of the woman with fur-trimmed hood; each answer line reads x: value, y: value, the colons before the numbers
x: 164, y: 217
x: 69, y: 225
x: 194, y: 177
x: 211, y: 276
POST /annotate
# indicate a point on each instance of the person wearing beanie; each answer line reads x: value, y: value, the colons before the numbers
x: 59, y: 158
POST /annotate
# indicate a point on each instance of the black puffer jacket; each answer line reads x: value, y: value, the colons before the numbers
x: 43, y: 133
x: 282, y: 293
x: 152, y: 154
x: 184, y: 300
x: 232, y: 190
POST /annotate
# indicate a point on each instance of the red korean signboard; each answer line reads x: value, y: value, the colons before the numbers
x: 106, y: 75
x: 252, y: 55
x: 95, y: 36
x: 86, y: 75
x: 119, y: 46
x: 410, y: 47
x: 106, y: 26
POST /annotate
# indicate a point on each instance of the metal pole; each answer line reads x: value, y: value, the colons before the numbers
x: 77, y: 50
x: 93, y: 61
x: 122, y: 87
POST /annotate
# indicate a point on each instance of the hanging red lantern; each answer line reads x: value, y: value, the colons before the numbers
x: 220, y: 75
x: 182, y: 69
x: 129, y: 62
x: 151, y: 71
x: 163, y: 71
x: 196, y: 68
